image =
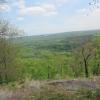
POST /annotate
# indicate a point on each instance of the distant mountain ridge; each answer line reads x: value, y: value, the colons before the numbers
x: 61, y: 42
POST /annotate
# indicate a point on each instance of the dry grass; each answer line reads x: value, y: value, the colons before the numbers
x: 42, y: 90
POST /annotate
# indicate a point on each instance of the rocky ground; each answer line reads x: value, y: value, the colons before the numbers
x: 23, y: 91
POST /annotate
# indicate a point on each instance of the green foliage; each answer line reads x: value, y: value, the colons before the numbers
x: 49, y: 57
x: 41, y: 57
x: 8, y: 53
x: 9, y: 66
x: 38, y: 67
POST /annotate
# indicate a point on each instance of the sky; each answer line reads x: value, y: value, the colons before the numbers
x: 37, y: 17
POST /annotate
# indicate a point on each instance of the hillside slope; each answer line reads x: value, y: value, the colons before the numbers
x: 61, y: 41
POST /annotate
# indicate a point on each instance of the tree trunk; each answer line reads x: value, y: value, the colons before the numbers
x: 5, y: 68
x: 61, y: 71
x: 48, y: 72
x: 86, y: 68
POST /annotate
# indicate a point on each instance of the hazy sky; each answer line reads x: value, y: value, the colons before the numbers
x: 52, y: 16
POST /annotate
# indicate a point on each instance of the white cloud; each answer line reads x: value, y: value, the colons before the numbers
x: 4, y: 7
x: 84, y: 20
x: 21, y: 4
x: 62, y: 1
x: 83, y: 10
x: 41, y: 9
